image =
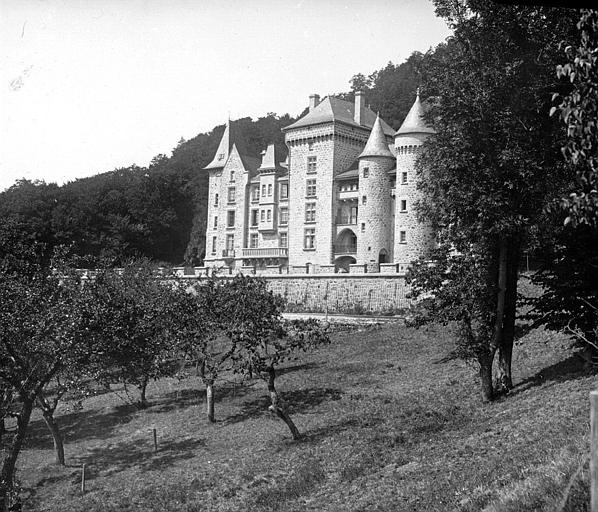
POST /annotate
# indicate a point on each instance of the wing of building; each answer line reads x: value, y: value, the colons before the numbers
x: 341, y: 201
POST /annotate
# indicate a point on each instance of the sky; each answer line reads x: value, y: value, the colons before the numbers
x: 90, y: 86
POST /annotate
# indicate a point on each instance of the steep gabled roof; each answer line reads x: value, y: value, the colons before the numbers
x: 414, y: 122
x: 230, y: 137
x: 334, y: 109
x: 376, y: 144
x: 270, y: 159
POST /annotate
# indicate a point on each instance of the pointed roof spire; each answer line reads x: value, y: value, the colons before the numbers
x: 376, y: 144
x: 414, y: 122
x: 229, y: 138
x: 270, y: 162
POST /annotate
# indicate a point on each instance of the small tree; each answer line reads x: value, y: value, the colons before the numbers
x: 455, y: 289
x: 41, y: 334
x: 134, y: 322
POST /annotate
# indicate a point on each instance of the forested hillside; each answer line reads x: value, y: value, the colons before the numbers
x: 159, y: 211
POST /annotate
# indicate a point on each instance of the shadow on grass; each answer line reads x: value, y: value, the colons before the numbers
x: 568, y: 369
x: 138, y: 453
x: 298, y: 401
x: 77, y: 426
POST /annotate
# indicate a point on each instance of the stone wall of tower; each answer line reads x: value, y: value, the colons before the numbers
x: 335, y: 148
x: 419, y: 238
x: 376, y: 214
x: 309, y: 142
x: 219, y: 183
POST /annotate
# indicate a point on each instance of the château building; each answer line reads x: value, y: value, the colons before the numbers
x: 341, y: 201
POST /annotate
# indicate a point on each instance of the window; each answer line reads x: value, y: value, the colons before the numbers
x: 284, y: 240
x: 269, y: 215
x: 283, y: 216
x: 284, y: 191
x: 263, y: 190
x: 353, y: 215
x: 310, y: 212
x: 255, y: 193
x: 363, y: 227
x: 364, y: 200
x: 402, y: 237
x: 214, y: 245
x: 366, y: 172
x: 309, y: 241
x: 221, y: 156
x: 216, y: 198
x: 404, y: 177
x: 269, y: 189
x: 230, y: 242
x: 231, y: 194
x: 232, y: 175
x: 310, y: 190
x: 253, y: 240
x: 263, y: 215
x: 215, y: 221
x: 403, y: 205
x: 310, y: 145
x: 312, y: 162
x: 254, y: 217
x: 230, y: 218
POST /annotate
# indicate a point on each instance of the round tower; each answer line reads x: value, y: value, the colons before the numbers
x: 412, y: 238
x: 374, y: 237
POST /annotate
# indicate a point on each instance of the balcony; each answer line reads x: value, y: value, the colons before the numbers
x: 346, y: 220
x: 228, y: 253
x: 348, y: 195
x: 266, y: 252
x: 345, y: 249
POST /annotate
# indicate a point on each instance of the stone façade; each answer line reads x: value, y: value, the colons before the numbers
x: 342, y: 201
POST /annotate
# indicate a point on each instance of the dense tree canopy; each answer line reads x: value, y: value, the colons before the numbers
x: 483, y: 176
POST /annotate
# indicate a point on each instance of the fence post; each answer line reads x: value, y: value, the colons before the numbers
x: 594, y: 449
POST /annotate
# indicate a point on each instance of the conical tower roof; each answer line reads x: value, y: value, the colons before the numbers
x: 230, y: 137
x: 376, y: 144
x: 414, y: 122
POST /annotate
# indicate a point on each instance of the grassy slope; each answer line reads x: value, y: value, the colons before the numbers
x: 385, y: 428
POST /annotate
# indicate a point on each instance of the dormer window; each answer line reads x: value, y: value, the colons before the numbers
x: 220, y: 156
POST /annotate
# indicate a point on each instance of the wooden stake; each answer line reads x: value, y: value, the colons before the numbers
x: 83, y: 478
x: 155, y: 441
x: 594, y: 450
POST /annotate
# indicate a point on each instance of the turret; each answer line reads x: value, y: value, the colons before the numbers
x: 412, y: 238
x: 374, y: 244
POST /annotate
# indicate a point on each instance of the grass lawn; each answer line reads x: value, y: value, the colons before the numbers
x: 386, y: 427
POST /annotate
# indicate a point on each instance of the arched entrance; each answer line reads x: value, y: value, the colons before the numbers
x: 383, y: 256
x: 346, y: 242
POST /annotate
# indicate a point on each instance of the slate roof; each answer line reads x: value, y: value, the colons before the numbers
x: 230, y: 138
x: 334, y: 109
x: 270, y: 159
x: 376, y: 144
x: 414, y: 122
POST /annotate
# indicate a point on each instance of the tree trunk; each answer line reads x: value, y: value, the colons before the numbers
x: 277, y: 407
x: 48, y: 414
x: 10, y: 460
x: 210, y: 399
x: 209, y: 383
x: 505, y: 349
x: 142, y: 397
x: 487, y: 389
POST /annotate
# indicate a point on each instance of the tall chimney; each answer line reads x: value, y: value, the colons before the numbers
x: 359, y: 116
x: 314, y: 100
